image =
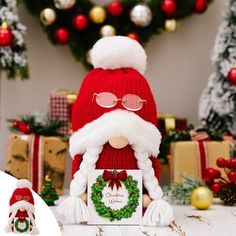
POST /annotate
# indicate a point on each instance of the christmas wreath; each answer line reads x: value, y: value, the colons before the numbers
x: 26, y: 225
x: 81, y: 23
x: 114, y: 177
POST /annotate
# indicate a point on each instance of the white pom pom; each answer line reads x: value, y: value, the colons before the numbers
x: 24, y: 183
x: 73, y: 210
x: 158, y: 213
x: 116, y: 52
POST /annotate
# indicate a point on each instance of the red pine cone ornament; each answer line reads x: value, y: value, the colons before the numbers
x: 200, y: 6
x: 6, y: 36
x: 225, y: 188
x: 21, y: 126
x: 169, y: 7
x: 232, y: 76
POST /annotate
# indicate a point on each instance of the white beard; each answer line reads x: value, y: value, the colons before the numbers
x: 143, y: 137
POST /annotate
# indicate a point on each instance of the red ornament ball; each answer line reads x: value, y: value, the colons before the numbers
x: 169, y: 7
x: 134, y: 36
x: 80, y: 22
x: 200, y: 6
x: 115, y: 8
x: 232, y: 76
x: 216, y: 187
x: 62, y: 35
x: 221, y: 162
x: 6, y: 37
x: 232, y: 176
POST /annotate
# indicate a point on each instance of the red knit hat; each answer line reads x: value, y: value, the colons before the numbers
x: 22, y: 193
x: 118, y: 82
x: 115, y: 101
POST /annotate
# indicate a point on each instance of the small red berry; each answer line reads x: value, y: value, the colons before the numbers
x: 216, y: 187
x: 221, y: 162
x: 232, y: 176
x: 208, y: 181
x: 212, y: 173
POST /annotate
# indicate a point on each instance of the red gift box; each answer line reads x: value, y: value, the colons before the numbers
x: 61, y: 102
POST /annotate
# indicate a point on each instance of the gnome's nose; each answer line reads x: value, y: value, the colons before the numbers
x: 118, y: 142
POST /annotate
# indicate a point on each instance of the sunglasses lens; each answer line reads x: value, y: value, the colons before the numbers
x: 18, y: 197
x: 132, y: 102
x: 106, y: 99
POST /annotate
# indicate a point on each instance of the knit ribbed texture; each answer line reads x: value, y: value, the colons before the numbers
x: 120, y: 159
x: 24, y: 193
x: 119, y: 82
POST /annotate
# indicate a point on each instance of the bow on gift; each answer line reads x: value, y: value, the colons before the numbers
x: 199, y: 136
x: 114, y: 178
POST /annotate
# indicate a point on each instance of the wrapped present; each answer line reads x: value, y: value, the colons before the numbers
x: 61, y: 102
x: 191, y: 158
x: 35, y: 156
x: 168, y: 122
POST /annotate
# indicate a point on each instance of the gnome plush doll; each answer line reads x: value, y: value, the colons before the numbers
x: 21, y: 213
x: 113, y: 123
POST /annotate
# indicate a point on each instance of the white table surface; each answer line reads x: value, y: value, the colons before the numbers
x: 216, y: 221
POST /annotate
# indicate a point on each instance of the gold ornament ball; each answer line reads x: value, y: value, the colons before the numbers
x: 146, y: 200
x: 170, y: 25
x: 97, y: 15
x: 201, y: 198
x: 48, y: 16
x: 64, y: 4
x: 107, y: 30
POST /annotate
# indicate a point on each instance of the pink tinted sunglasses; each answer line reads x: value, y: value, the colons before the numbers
x: 19, y: 198
x: 130, y: 102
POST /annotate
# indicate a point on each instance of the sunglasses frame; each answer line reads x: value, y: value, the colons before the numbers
x: 95, y: 95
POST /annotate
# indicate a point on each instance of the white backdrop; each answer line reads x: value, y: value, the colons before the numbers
x: 178, y: 69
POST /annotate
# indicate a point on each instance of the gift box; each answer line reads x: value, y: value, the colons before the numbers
x: 190, y: 158
x: 61, y: 102
x: 33, y: 157
x: 168, y: 122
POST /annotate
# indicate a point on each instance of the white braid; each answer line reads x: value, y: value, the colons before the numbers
x: 8, y: 227
x: 79, y: 182
x: 149, y: 180
x: 34, y: 230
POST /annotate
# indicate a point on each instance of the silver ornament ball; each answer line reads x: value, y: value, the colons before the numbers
x: 141, y: 15
x: 64, y: 4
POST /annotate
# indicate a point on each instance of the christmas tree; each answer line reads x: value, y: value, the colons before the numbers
x: 218, y: 100
x: 49, y: 194
x: 12, y: 46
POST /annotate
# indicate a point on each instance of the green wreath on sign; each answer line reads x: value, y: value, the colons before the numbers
x: 108, y: 212
x: 22, y: 230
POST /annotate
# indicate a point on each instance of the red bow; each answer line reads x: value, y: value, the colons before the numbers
x: 114, y: 178
x: 199, y: 136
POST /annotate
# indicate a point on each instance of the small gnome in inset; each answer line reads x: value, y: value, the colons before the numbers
x: 21, y: 217
x: 114, y: 127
